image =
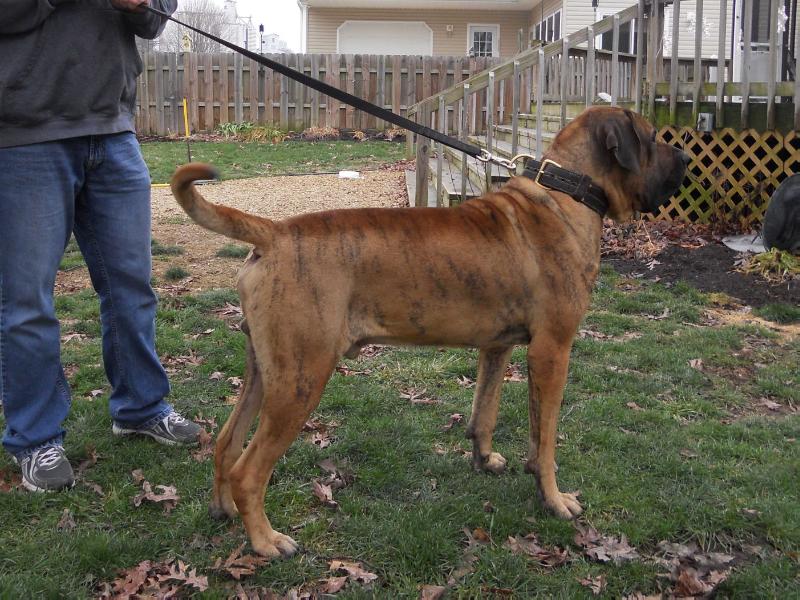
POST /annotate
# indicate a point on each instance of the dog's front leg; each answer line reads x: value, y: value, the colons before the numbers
x: 548, y: 362
x: 491, y: 369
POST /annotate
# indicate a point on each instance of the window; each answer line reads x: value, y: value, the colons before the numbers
x: 549, y: 28
x: 484, y: 40
x: 627, y: 38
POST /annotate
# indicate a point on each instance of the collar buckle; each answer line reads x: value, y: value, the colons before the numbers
x: 539, y: 174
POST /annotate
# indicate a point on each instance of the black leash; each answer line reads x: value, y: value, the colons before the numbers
x: 546, y: 173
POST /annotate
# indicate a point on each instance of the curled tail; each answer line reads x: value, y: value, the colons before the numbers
x: 221, y: 219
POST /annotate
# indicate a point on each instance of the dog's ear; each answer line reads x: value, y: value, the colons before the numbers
x: 622, y: 140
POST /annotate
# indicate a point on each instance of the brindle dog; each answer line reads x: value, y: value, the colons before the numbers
x: 512, y: 267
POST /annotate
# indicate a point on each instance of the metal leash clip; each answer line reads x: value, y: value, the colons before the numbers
x: 511, y: 165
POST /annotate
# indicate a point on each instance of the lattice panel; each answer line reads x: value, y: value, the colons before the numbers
x: 732, y: 174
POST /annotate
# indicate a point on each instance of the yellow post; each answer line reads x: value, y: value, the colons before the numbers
x: 185, y: 118
x: 186, y: 128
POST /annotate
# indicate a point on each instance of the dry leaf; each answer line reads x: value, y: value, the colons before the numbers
x: 771, y: 405
x: 604, y: 548
x: 465, y: 381
x: 205, y: 447
x: 354, y: 571
x: 66, y: 523
x: 333, y: 585
x: 596, y: 584
x: 530, y: 546
x: 514, y: 373
x: 217, y: 376
x: 417, y: 396
x: 238, y: 565
x: 454, y: 418
x: 696, y: 363
x: 432, y: 592
x: 633, y: 406
x: 324, y: 493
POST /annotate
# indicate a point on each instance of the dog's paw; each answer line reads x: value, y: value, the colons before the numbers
x: 275, y: 546
x: 564, y: 505
x: 494, y: 463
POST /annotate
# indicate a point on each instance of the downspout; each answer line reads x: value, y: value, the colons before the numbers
x: 303, y: 26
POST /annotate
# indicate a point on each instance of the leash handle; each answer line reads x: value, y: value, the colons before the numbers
x: 329, y: 90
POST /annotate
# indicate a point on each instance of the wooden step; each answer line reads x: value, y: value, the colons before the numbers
x: 452, y: 181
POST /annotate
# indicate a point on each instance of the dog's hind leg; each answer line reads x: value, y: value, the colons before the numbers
x: 548, y: 362
x: 491, y: 369
x: 292, y: 387
x: 231, y: 439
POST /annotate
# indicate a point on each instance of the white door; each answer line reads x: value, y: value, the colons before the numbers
x: 384, y: 37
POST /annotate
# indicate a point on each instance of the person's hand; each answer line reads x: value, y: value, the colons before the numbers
x: 130, y: 5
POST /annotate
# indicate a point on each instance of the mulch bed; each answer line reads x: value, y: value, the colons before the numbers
x: 669, y: 253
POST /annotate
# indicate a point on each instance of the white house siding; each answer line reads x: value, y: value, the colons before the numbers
x: 711, y: 29
x: 323, y: 24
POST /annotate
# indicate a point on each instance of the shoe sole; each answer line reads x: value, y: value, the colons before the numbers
x: 120, y: 431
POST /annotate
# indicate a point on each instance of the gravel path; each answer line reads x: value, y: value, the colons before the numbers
x: 271, y: 197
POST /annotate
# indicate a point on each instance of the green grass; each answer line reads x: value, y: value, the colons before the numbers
x: 174, y: 273
x: 685, y: 467
x: 236, y: 160
x: 233, y: 251
x: 779, y: 312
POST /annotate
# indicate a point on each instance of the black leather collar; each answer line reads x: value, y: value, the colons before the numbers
x: 551, y: 175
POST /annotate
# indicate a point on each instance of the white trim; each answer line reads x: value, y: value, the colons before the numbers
x: 339, y: 28
x: 493, y: 27
x: 303, y: 26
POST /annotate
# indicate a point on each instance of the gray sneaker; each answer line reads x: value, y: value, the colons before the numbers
x: 172, y: 430
x: 46, y: 470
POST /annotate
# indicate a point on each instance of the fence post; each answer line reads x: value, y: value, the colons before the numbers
x: 748, y: 35
x: 654, y: 53
x: 698, y: 57
x: 637, y: 95
x: 515, y: 85
x: 564, y: 77
x: 440, y: 152
x: 489, y: 127
x: 423, y: 158
x: 539, y: 103
x: 721, y: 74
x: 463, y: 137
x: 591, y: 87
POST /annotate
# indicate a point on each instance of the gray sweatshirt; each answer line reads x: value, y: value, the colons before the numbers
x: 68, y: 68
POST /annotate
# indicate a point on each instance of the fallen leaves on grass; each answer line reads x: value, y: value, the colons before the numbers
x: 338, y: 477
x: 348, y: 372
x: 205, y: 447
x: 633, y: 406
x: 452, y: 421
x: 324, y: 494
x: 604, y: 548
x: 355, y: 572
x: 239, y: 565
x: 148, y: 579
x: 167, y: 498
x: 417, y: 396
x: 432, y: 592
x: 596, y: 584
x: 320, y: 432
x: 9, y: 481
x: 692, y: 572
x: 548, y: 557
x: 514, y: 373
x: 66, y: 522
x: 464, y: 381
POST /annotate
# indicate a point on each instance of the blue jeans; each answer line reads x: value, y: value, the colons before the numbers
x: 97, y: 187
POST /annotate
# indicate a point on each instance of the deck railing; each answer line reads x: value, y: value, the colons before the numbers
x: 574, y: 70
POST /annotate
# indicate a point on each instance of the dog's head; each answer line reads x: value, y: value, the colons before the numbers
x: 618, y: 149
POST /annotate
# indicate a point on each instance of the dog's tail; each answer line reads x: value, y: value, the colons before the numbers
x: 221, y: 219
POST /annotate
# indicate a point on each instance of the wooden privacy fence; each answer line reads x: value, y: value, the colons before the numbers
x: 223, y: 87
